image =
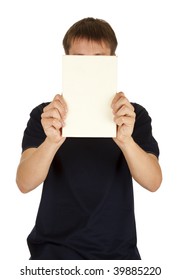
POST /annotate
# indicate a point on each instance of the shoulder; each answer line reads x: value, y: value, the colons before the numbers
x: 34, y: 134
x: 142, y: 133
x: 143, y: 119
x: 139, y: 109
x: 142, y: 114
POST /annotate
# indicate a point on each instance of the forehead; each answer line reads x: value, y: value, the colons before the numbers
x: 82, y: 46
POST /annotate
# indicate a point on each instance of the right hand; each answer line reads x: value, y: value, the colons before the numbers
x: 53, y: 119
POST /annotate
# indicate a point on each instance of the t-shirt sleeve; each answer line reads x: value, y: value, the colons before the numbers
x: 142, y: 133
x: 34, y: 134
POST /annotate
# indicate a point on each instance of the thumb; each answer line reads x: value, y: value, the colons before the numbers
x: 57, y: 97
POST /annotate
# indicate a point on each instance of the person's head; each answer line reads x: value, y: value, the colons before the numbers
x: 90, y: 36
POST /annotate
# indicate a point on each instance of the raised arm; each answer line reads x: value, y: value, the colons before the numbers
x: 144, y: 166
x: 35, y: 162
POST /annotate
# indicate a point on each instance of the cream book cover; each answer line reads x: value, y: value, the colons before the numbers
x: 89, y: 84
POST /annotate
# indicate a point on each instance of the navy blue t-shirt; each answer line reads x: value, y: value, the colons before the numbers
x: 87, y: 206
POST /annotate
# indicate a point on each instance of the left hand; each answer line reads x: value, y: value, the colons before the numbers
x: 124, y: 117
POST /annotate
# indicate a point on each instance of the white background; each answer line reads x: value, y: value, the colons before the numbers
x: 31, y: 33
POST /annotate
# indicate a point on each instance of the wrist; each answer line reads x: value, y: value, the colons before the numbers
x: 125, y: 144
x: 51, y: 145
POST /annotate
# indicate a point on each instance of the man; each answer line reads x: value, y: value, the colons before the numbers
x: 87, y: 206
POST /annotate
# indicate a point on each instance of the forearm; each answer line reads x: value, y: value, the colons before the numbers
x: 144, y: 167
x: 34, y: 166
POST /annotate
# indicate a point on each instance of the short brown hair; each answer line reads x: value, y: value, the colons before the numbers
x: 91, y: 29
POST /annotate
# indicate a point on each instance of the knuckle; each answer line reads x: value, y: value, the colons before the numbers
x: 56, y: 104
x: 54, y: 122
x: 46, y: 108
x: 54, y: 113
x: 42, y: 119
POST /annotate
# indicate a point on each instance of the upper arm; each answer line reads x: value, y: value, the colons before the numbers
x: 143, y: 134
x: 153, y: 156
x: 34, y: 134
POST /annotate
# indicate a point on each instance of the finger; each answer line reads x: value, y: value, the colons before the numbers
x: 48, y: 123
x: 51, y: 113
x: 57, y: 97
x: 60, y: 98
x: 121, y: 102
x: 124, y: 120
x: 56, y: 106
x: 116, y: 98
x: 125, y: 111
